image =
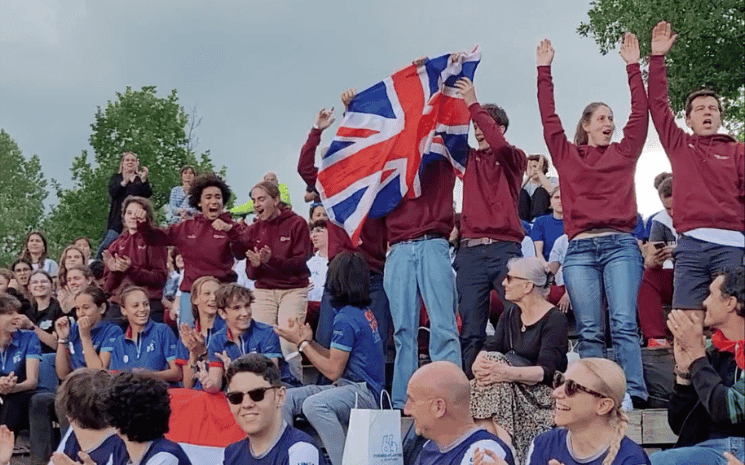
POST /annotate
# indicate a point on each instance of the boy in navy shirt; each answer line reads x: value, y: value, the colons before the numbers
x: 139, y: 408
x: 354, y: 362
x: 256, y: 395
x: 89, y: 435
x: 241, y: 335
x: 548, y: 228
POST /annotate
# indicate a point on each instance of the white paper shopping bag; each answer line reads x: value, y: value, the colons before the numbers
x: 374, y: 437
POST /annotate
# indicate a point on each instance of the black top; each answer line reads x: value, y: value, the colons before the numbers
x: 45, y: 319
x: 545, y: 343
x: 118, y: 193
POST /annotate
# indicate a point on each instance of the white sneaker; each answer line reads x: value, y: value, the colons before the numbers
x: 627, y: 404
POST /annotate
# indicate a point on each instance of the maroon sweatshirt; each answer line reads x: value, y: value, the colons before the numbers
x: 373, y: 237
x: 149, y: 267
x: 205, y: 250
x: 597, y: 183
x: 708, y: 171
x: 491, y: 185
x: 289, y: 239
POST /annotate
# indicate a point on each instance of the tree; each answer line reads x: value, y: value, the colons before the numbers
x: 709, y: 52
x: 23, y: 190
x: 138, y: 121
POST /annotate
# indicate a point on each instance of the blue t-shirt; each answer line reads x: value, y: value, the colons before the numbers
x: 639, y: 230
x: 164, y: 452
x: 461, y: 453
x: 153, y: 349
x: 103, y: 336
x: 182, y: 353
x: 293, y: 447
x: 547, y: 229
x: 554, y: 444
x: 526, y: 226
x: 356, y: 331
x: 110, y: 451
x: 647, y: 227
x: 23, y: 345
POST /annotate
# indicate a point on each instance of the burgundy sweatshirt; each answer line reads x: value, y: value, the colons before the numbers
x: 708, y: 171
x: 597, y: 183
x: 149, y: 267
x: 289, y: 239
x: 373, y: 237
x: 205, y: 250
x: 491, y: 185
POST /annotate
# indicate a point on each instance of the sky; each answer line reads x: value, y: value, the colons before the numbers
x: 258, y: 72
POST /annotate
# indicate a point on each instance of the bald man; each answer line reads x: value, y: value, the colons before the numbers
x: 438, y: 399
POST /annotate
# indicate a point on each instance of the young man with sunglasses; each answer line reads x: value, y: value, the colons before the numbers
x: 256, y: 395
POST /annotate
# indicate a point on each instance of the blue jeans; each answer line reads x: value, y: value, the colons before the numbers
x: 414, y: 269
x: 708, y: 452
x: 106, y: 241
x: 610, y: 265
x: 327, y: 408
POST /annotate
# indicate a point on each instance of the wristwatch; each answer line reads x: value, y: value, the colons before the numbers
x: 301, y: 345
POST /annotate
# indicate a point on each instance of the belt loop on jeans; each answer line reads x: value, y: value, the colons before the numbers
x: 425, y: 237
x: 473, y: 242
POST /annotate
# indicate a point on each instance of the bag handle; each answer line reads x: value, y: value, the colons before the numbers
x: 390, y: 402
x: 356, y: 398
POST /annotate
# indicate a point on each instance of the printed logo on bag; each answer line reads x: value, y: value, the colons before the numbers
x: 389, y: 449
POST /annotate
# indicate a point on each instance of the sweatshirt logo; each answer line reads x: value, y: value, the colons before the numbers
x: 191, y: 236
x: 284, y: 239
x: 219, y: 236
x: 720, y: 157
x: 142, y: 247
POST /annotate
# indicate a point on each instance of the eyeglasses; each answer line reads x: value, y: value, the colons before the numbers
x: 256, y: 395
x: 571, y: 387
x: 510, y: 278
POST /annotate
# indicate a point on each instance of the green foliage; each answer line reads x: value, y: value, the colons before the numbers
x: 709, y: 52
x: 23, y: 190
x: 138, y: 121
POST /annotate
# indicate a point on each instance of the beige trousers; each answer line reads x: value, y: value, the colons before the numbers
x: 275, y: 306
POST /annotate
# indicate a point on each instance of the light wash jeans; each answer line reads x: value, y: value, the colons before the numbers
x: 184, y: 310
x: 327, y: 408
x: 708, y: 452
x: 610, y: 265
x: 108, y: 238
x: 414, y: 269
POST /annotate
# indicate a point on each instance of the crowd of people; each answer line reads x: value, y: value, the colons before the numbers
x: 233, y: 307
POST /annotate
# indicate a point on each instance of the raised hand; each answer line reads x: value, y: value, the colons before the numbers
x: 486, y: 457
x: 143, y: 173
x: 422, y: 60
x: 220, y: 225
x: 265, y: 254
x: 253, y: 257
x: 630, y: 48
x: 325, y: 118
x: 224, y: 358
x: 62, y: 327
x: 347, y: 97
x: 466, y: 90
x: 544, y: 54
x: 662, y: 38
x: 84, y: 325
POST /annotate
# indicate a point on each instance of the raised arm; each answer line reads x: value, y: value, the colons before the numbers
x: 671, y: 136
x: 306, y: 167
x: 553, y: 132
x: 635, y: 131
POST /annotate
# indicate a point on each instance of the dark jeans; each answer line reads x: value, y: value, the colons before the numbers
x: 530, y: 207
x: 479, y: 270
x: 14, y: 411
x: 43, y: 437
x: 106, y: 241
x: 379, y: 307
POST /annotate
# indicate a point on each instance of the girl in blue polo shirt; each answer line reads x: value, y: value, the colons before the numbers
x: 20, y: 352
x: 89, y: 341
x: 147, y: 346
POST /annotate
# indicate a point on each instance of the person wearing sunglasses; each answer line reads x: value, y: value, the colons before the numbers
x: 511, y: 391
x: 354, y: 363
x: 256, y: 395
x: 591, y: 425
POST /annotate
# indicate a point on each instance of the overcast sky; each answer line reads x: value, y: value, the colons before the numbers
x: 259, y: 71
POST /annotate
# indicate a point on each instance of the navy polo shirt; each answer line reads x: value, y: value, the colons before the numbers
x: 103, y: 336
x: 554, y: 444
x: 292, y: 447
x: 461, y: 453
x: 153, y: 349
x: 356, y: 332
x: 259, y: 338
x: 162, y: 451
x: 110, y: 451
x: 23, y: 345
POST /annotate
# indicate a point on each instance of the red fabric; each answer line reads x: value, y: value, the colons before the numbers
x: 734, y: 347
x: 200, y: 418
x: 556, y: 293
x: 655, y: 292
x: 373, y: 237
x: 597, y: 183
x: 288, y: 237
x: 148, y: 269
x: 491, y: 185
x: 709, y: 181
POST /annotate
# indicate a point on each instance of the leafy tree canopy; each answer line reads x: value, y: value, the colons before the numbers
x: 709, y: 52
x: 23, y: 190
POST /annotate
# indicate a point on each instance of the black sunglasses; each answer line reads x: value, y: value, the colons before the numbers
x: 256, y: 395
x: 571, y: 387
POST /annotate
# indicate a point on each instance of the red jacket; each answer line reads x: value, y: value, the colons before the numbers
x: 491, y: 185
x: 708, y: 171
x: 597, y: 183
x: 289, y: 239
x: 148, y: 269
x: 205, y: 250
x: 373, y: 237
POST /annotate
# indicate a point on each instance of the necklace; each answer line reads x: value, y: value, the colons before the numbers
x: 523, y: 328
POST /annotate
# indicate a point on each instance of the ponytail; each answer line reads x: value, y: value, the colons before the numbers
x: 620, y: 423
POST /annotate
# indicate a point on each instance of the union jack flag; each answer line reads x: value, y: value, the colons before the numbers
x: 391, y: 131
